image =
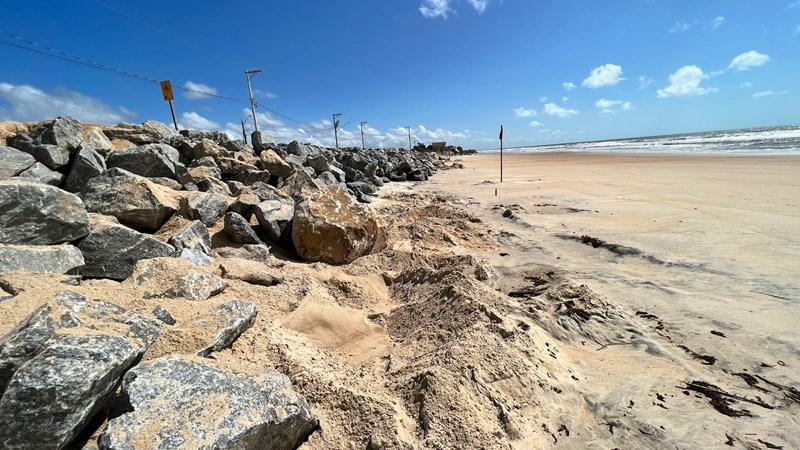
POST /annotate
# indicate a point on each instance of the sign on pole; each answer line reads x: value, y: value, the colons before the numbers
x: 166, y: 91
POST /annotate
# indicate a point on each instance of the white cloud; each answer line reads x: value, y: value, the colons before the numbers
x: 745, y: 85
x: 551, y: 109
x: 644, y: 82
x: 435, y: 8
x: 543, y: 99
x: 748, y: 60
x: 564, y: 99
x: 568, y: 86
x: 194, y: 121
x: 198, y: 91
x: 604, y: 76
x: 535, y: 123
x: 611, y: 106
x: 524, y: 112
x: 716, y: 22
x: 685, y: 82
x: 26, y: 102
x: 479, y: 5
x: 793, y: 5
x: 682, y: 26
x: 769, y: 93
x: 265, y: 94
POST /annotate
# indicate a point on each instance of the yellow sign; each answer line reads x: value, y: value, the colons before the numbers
x: 166, y: 90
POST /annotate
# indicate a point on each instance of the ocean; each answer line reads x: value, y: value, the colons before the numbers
x: 768, y: 140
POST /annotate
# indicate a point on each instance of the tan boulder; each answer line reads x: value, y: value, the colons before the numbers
x: 332, y: 227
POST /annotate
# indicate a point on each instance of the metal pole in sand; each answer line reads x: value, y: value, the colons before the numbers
x: 501, y: 153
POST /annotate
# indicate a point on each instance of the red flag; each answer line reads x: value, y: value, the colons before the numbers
x: 501, y: 132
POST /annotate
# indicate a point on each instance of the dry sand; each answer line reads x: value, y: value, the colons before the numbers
x: 440, y: 342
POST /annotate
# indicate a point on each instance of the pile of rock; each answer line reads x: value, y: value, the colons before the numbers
x: 93, y: 201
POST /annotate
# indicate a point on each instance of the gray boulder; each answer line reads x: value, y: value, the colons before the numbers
x: 87, y: 164
x: 192, y: 235
x: 35, y: 213
x: 52, y: 156
x: 95, y: 139
x: 275, y: 218
x: 203, y: 206
x: 297, y: 149
x: 238, y: 229
x: 196, y: 257
x: 39, y: 258
x: 170, y: 399
x: 39, y: 173
x: 111, y: 250
x: 148, y: 133
x: 134, y: 200
x: 250, y: 252
x: 151, y: 160
x: 59, y: 368
x: 274, y: 164
x: 226, y: 323
x: 13, y: 161
x: 63, y: 132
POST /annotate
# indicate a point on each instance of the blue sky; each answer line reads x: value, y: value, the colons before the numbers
x: 550, y: 71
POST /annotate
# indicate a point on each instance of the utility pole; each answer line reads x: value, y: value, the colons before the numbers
x: 409, y: 137
x: 336, y: 128
x: 249, y: 74
x: 363, y: 145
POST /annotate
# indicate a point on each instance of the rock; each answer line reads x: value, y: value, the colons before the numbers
x: 163, y: 315
x: 167, y: 182
x: 327, y: 179
x: 111, y: 250
x: 338, y: 173
x: 191, y: 235
x: 213, y: 186
x: 210, y: 148
x: 249, y: 177
x: 10, y: 128
x: 232, y: 167
x: 159, y: 130
x: 34, y: 213
x: 275, y: 218
x: 196, y: 286
x: 227, y: 322
x: 243, y: 271
x: 203, y: 206
x: 13, y: 161
x: 151, y: 160
x: 64, y: 132
x: 196, y: 257
x: 235, y: 187
x: 417, y: 175
x: 319, y: 163
x: 51, y: 156
x: 62, y: 365
x: 39, y: 173
x: 150, y: 132
x: 297, y: 149
x: 331, y: 227
x: 93, y: 138
x: 181, y: 403
x: 272, y: 162
x: 258, y: 253
x: 300, y: 185
x: 39, y: 258
x: 132, y: 199
x: 245, y: 204
x: 238, y: 229
x: 199, y: 173
x: 87, y: 164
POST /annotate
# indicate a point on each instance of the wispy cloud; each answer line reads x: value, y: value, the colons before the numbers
x: 793, y: 5
x: 568, y: 86
x: 535, y: 123
x: 197, y: 91
x: 611, y: 106
x: 748, y: 60
x: 264, y: 94
x: 644, y: 82
x: 716, y: 23
x: 552, y: 109
x: 524, y: 112
x: 769, y: 93
x: 25, y: 102
x: 680, y: 27
x: 435, y: 8
x: 194, y: 121
x: 479, y: 5
x: 686, y: 82
x: 604, y: 76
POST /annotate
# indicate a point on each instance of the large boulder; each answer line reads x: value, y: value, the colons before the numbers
x: 175, y: 278
x: 190, y: 235
x: 150, y: 132
x: 134, y: 200
x: 330, y: 226
x: 207, y: 147
x: 203, y: 206
x: 275, y: 217
x: 298, y: 149
x: 39, y: 258
x: 35, y: 213
x: 39, y: 173
x: 111, y: 250
x: 177, y: 403
x: 151, y: 160
x: 272, y: 162
x: 52, y: 156
x: 63, y: 132
x: 238, y: 229
x: 86, y: 165
x: 95, y: 139
x: 13, y: 161
x: 59, y: 368
x: 300, y: 185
